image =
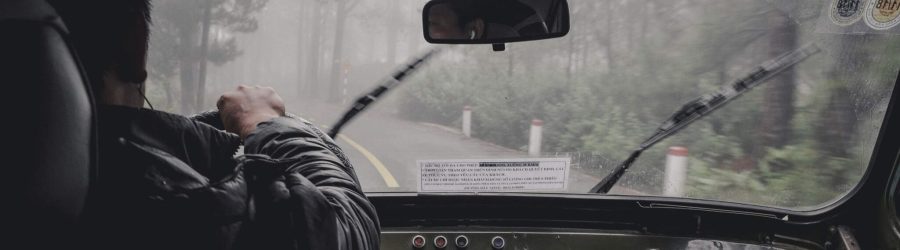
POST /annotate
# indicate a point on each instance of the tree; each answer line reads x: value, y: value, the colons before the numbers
x: 206, y: 20
x: 393, y: 34
x: 182, y: 31
x: 343, y: 8
x: 313, y: 60
x: 778, y: 104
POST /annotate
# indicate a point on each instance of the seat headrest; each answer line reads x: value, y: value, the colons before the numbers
x: 49, y: 125
x: 30, y: 10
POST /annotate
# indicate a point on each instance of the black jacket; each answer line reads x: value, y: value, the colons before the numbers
x: 169, y: 182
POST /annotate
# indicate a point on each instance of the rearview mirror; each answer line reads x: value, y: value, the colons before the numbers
x: 494, y: 21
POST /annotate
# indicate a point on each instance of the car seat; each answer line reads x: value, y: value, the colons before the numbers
x: 49, y: 126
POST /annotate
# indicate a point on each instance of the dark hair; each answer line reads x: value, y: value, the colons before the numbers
x: 508, y: 12
x: 102, y: 32
x: 466, y: 11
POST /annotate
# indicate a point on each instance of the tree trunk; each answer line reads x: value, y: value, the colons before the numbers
x: 416, y: 38
x: 315, y: 40
x: 774, y: 128
x: 187, y: 63
x: 392, y: 32
x: 837, y: 121
x: 204, y: 51
x: 570, y: 59
x: 610, y: 53
x: 302, y: 46
x: 337, y: 53
x: 778, y: 104
x: 168, y: 88
x: 188, y: 90
x: 584, y: 59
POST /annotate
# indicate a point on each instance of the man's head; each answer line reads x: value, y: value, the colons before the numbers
x: 458, y: 19
x: 110, y: 37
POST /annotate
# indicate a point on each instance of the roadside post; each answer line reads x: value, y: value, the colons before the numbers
x: 534, y: 139
x: 676, y: 172
x: 345, y: 83
x: 467, y: 121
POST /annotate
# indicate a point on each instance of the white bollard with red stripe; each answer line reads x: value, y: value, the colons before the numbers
x: 467, y: 121
x: 534, y: 139
x: 676, y: 172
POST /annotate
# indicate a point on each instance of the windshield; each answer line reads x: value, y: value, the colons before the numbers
x: 801, y: 140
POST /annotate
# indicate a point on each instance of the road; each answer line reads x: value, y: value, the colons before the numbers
x: 384, y: 149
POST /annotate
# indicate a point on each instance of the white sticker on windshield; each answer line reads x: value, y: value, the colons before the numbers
x: 540, y: 174
x: 846, y: 12
x: 882, y: 14
x: 843, y: 17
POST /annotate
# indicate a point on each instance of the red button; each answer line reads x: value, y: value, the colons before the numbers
x: 440, y: 241
x: 418, y: 241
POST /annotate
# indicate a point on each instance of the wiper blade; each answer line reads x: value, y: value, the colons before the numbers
x: 365, y: 101
x: 703, y: 106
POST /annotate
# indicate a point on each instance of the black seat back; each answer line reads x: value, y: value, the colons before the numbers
x: 49, y: 126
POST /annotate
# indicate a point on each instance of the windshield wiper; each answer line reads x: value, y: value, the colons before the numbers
x: 364, y: 101
x: 694, y: 110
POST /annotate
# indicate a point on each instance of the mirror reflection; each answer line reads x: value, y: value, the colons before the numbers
x: 490, y: 20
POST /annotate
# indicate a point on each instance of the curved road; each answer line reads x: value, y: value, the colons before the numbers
x: 384, y: 149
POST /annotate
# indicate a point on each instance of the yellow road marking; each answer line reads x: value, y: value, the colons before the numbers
x: 385, y: 174
x: 382, y: 170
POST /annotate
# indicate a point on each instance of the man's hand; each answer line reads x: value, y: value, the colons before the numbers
x: 242, y: 109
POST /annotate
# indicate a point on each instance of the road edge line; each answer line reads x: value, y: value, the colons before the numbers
x: 389, y: 179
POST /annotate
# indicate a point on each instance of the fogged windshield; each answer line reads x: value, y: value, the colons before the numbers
x: 801, y: 140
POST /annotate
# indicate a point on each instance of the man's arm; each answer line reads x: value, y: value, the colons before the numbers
x: 307, y: 196
x: 319, y: 183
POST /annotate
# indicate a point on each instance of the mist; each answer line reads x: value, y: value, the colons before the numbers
x: 624, y: 67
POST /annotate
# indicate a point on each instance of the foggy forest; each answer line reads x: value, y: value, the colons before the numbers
x: 800, y: 141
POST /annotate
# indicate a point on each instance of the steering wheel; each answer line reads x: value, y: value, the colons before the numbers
x: 211, y: 118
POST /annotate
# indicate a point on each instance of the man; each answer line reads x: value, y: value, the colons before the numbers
x: 170, y: 182
x: 483, y: 19
x: 456, y: 20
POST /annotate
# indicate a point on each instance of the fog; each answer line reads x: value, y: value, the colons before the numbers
x: 624, y: 68
x: 292, y: 48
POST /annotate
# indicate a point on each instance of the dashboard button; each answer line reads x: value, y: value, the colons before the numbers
x: 440, y: 242
x: 418, y: 242
x: 498, y: 242
x: 462, y: 241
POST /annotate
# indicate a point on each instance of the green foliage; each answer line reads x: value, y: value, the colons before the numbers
x: 608, y: 105
x: 794, y: 177
x: 624, y: 68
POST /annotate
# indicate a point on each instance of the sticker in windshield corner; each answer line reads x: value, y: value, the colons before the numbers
x: 846, y: 12
x: 508, y: 175
x: 882, y: 14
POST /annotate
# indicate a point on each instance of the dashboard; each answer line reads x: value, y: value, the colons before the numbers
x: 521, y: 222
x: 537, y: 238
